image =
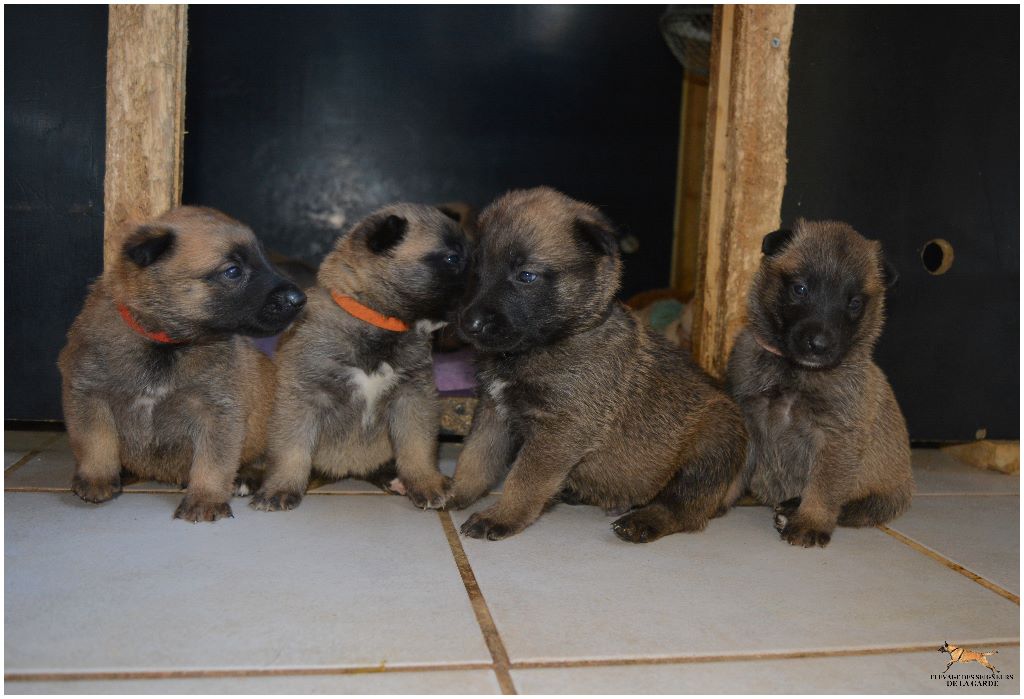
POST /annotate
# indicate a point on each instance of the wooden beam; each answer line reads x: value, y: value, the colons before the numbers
x: 745, y: 167
x: 689, y: 180
x: 145, y: 115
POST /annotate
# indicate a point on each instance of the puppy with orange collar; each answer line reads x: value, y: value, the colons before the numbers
x: 158, y: 378
x: 355, y: 390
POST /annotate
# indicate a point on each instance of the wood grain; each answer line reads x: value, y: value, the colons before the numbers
x: 745, y: 167
x: 145, y: 115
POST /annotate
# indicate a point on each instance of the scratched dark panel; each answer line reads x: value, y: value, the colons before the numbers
x: 54, y: 101
x: 905, y: 122
x: 302, y: 120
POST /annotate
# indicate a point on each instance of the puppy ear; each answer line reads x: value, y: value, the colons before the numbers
x: 598, y: 237
x: 450, y: 213
x: 147, y: 244
x: 890, y: 277
x: 386, y: 233
x: 775, y: 241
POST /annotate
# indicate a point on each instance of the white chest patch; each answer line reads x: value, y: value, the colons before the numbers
x: 495, y: 389
x: 144, y: 403
x: 428, y: 326
x: 372, y: 386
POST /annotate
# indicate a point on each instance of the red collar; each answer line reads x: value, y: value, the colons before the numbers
x: 129, y: 320
x: 765, y: 346
x: 368, y: 315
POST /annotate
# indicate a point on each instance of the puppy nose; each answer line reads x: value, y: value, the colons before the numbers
x: 818, y: 343
x: 295, y: 298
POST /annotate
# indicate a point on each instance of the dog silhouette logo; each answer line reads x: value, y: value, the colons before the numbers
x: 963, y: 655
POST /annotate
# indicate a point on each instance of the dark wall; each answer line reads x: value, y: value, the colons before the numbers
x: 54, y: 101
x: 904, y: 121
x: 302, y: 120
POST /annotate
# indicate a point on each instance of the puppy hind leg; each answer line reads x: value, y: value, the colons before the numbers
x: 694, y: 495
x: 873, y: 510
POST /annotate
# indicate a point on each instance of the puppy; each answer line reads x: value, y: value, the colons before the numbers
x: 156, y: 376
x: 585, y: 403
x: 828, y: 443
x: 355, y: 393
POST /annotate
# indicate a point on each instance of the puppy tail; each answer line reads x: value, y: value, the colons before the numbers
x: 874, y: 509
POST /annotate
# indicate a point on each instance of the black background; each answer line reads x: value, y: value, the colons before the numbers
x: 903, y: 121
x: 54, y: 102
x: 301, y: 119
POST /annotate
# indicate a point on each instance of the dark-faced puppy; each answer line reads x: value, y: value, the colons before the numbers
x: 828, y: 443
x: 156, y: 376
x: 356, y: 392
x: 582, y: 401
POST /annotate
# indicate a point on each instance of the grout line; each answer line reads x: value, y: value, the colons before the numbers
x: 20, y: 462
x: 519, y: 665
x: 960, y: 495
x: 479, y: 604
x: 935, y: 555
x: 736, y: 657
x: 253, y: 672
x: 160, y: 491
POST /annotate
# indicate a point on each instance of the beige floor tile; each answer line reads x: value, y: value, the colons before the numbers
x: 27, y: 440
x: 54, y: 467
x: 433, y: 682
x: 340, y: 581
x: 566, y: 588
x: 896, y: 673
x: 936, y: 472
x: 18, y: 443
x: 980, y: 532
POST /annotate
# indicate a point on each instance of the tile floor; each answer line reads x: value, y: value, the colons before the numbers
x: 359, y: 592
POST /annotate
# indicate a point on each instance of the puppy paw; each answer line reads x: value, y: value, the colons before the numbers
x: 202, y: 511
x: 800, y: 533
x: 273, y: 502
x: 428, y: 496
x: 785, y: 511
x: 638, y: 527
x: 484, y: 525
x: 96, y: 491
x: 457, y: 498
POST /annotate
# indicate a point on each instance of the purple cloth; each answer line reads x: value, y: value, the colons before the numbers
x: 453, y: 371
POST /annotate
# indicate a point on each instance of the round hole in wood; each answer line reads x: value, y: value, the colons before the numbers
x: 937, y: 256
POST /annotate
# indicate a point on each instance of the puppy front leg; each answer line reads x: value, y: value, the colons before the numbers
x: 809, y: 520
x: 217, y: 454
x: 537, y: 475
x: 484, y: 458
x: 293, y: 433
x: 93, y: 436
x: 413, y: 424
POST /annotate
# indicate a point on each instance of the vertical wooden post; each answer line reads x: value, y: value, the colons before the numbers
x: 145, y: 115
x: 689, y: 180
x: 745, y: 167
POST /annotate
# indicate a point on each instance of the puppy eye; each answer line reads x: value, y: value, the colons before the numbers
x: 527, y: 277
x: 452, y: 259
x: 799, y: 289
x: 232, y: 272
x: 855, y: 304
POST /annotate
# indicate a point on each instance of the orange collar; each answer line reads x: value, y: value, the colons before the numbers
x: 368, y: 315
x: 130, y: 321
